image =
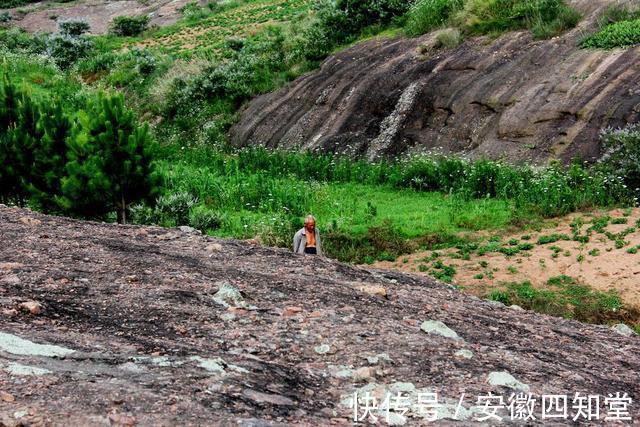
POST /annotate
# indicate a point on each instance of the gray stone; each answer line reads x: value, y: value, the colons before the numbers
x: 188, y: 230
x: 378, y: 358
x: 402, y: 387
x: 211, y: 365
x: 229, y: 296
x: 16, y: 345
x: 495, y: 303
x: 274, y: 399
x: 436, y: 327
x: 505, y: 379
x: 322, y: 349
x: 214, y: 247
x: 18, y: 369
x: 623, y: 329
x: 464, y: 353
x: 516, y: 307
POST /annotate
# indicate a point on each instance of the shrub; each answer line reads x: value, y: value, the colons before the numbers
x: 544, y: 17
x: 129, y: 26
x: 73, y: 27
x: 619, y: 34
x: 622, y: 154
x: 616, y: 13
x: 235, y: 43
x: 5, y: 17
x: 426, y: 15
x: 65, y: 49
x: 204, y: 219
x: 448, y: 38
x: 192, y: 11
x: 174, y: 209
x: 16, y: 39
x: 145, y: 61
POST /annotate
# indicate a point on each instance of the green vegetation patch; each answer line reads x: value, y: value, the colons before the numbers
x: 545, y: 18
x: 565, y: 297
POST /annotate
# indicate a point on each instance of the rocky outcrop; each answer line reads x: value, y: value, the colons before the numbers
x: 513, y: 97
x: 167, y: 327
x: 44, y: 16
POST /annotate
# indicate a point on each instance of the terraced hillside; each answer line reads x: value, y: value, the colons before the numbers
x: 208, y: 36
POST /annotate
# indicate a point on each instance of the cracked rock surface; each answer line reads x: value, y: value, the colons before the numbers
x: 512, y: 97
x: 145, y: 325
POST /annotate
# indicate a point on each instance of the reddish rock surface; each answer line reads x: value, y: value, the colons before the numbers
x: 151, y: 328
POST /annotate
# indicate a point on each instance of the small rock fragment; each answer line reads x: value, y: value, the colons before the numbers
x: 122, y: 419
x: 291, y: 311
x: 378, y: 358
x: 31, y: 222
x: 436, y: 327
x: 623, y: 329
x: 188, y: 230
x: 214, y: 247
x: 505, y: 379
x: 322, y: 349
x: 516, y: 307
x: 495, y: 303
x: 31, y: 307
x: 11, y: 279
x: 18, y: 369
x: 464, y: 353
x: 373, y: 290
x: 16, y: 345
x: 274, y: 399
x: 229, y: 296
x: 7, y: 397
x: 9, y: 312
x: 363, y: 373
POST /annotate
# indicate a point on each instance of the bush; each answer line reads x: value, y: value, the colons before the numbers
x: 622, y: 154
x: 16, y: 39
x: 448, y: 38
x: 174, y: 209
x: 5, y: 17
x: 204, y: 219
x: 619, y: 34
x: 129, y: 26
x: 192, y: 11
x: 66, y: 50
x: 426, y: 15
x: 73, y: 27
x: 145, y: 61
x: 543, y: 17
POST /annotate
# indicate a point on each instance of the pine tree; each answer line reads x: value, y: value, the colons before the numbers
x: 109, y: 160
x: 49, y: 157
x: 19, y: 137
x: 8, y: 119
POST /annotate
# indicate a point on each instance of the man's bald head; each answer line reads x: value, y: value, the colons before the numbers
x: 310, y: 222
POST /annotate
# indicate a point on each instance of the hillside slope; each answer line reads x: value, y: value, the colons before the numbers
x: 146, y: 325
x: 512, y: 97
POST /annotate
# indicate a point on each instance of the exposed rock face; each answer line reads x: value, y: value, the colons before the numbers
x: 514, y: 97
x: 131, y: 330
x: 44, y: 16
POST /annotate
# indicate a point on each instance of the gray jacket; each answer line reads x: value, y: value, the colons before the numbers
x: 300, y: 241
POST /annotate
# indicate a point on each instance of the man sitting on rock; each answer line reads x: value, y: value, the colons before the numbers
x: 307, y: 239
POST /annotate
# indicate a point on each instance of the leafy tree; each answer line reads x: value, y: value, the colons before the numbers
x: 109, y: 160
